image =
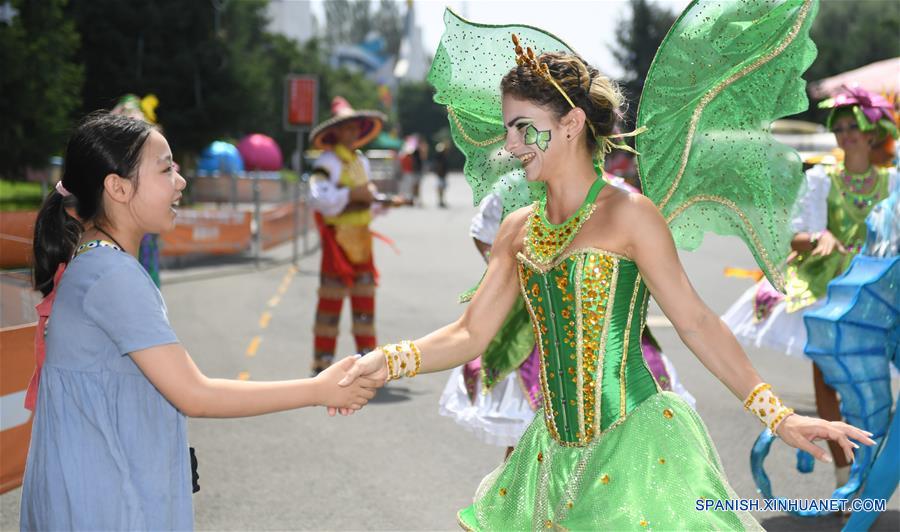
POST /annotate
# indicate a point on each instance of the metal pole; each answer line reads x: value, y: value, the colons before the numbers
x: 257, y: 217
x: 234, y: 190
x: 296, y: 191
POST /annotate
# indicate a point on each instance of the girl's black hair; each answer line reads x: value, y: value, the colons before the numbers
x: 102, y: 144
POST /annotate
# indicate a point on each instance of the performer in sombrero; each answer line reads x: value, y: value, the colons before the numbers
x: 342, y: 196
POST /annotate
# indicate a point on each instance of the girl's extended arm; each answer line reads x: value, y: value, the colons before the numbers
x: 173, y: 372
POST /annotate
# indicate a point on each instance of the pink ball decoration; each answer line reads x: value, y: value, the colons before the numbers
x: 260, y: 152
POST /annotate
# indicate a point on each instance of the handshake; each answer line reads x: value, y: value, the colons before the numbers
x: 347, y: 385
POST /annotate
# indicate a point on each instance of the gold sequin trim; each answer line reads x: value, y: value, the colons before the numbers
x: 761, y: 387
x: 583, y: 428
x: 470, y: 140
x: 709, y: 96
x: 543, y: 243
x: 785, y: 412
x: 668, y: 414
x: 625, y: 342
x: 777, y: 278
x: 596, y: 280
x: 604, y: 479
x: 544, y: 268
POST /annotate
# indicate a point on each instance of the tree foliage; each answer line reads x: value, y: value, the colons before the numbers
x: 351, y: 21
x: 637, y: 39
x: 849, y: 35
x: 40, y: 84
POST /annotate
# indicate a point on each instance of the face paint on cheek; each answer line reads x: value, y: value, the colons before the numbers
x: 539, y: 138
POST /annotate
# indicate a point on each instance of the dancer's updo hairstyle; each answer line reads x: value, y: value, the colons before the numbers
x: 594, y: 93
x: 101, y: 144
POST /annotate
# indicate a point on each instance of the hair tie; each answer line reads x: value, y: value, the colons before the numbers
x: 62, y: 190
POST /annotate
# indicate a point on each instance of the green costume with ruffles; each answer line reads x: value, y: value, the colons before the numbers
x: 807, y: 276
x: 609, y: 450
x: 586, y: 460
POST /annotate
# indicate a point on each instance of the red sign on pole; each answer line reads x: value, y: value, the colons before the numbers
x: 301, y: 96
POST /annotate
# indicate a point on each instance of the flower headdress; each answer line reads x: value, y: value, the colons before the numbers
x: 873, y: 112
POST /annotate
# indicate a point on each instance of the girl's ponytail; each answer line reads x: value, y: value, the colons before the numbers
x: 56, y: 234
x: 102, y: 144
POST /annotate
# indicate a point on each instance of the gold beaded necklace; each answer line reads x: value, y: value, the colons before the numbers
x: 544, y: 241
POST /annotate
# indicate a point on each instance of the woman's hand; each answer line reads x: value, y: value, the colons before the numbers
x: 800, y: 431
x: 827, y: 243
x: 350, y: 396
x: 371, y: 368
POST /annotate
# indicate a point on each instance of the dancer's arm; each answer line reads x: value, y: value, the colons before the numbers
x: 651, y: 246
x: 467, y: 337
x: 172, y: 371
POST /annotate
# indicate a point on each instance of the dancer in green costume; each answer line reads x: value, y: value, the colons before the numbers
x: 609, y: 450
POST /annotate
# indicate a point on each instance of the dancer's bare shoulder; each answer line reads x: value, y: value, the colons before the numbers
x: 511, y: 235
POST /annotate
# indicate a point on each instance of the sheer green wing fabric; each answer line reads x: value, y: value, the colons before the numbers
x: 468, y: 66
x: 724, y: 72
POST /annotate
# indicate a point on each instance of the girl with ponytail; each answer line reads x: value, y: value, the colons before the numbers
x: 109, y: 445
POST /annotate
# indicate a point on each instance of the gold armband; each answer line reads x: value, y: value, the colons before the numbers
x: 403, y: 359
x: 765, y: 405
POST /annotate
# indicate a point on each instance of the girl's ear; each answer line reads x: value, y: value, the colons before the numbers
x: 118, y: 188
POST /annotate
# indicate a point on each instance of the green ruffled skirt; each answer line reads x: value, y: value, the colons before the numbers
x: 645, y: 472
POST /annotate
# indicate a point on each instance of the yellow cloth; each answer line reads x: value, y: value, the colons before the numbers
x: 353, y: 174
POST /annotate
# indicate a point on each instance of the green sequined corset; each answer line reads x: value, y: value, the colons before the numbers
x: 587, y: 309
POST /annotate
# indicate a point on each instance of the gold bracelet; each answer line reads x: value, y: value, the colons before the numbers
x: 390, y: 365
x: 418, y: 355
x: 766, y: 406
x: 403, y: 359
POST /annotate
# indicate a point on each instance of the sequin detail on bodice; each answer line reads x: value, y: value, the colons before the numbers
x: 587, y: 309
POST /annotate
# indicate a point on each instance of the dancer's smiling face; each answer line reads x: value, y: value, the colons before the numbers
x: 848, y: 135
x: 533, y: 136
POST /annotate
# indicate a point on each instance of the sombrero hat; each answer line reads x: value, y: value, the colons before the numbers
x: 370, y: 123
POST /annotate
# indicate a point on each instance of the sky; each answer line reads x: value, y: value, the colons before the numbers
x: 588, y: 26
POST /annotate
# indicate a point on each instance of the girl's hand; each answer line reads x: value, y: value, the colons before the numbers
x: 800, y: 431
x: 372, y: 368
x: 347, y: 397
x: 827, y: 244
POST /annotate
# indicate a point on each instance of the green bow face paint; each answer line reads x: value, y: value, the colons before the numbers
x: 539, y: 138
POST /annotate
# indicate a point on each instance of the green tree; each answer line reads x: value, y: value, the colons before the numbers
x: 287, y: 57
x: 389, y: 24
x: 637, y: 39
x: 417, y: 112
x: 347, y: 21
x: 40, y: 84
x: 205, y: 61
x: 351, y: 21
x: 849, y: 35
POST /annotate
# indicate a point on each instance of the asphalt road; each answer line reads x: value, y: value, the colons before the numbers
x: 398, y: 465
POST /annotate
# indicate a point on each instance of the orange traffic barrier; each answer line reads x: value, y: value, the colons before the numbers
x: 16, y: 368
x: 207, y: 233
x: 278, y: 224
x: 16, y: 232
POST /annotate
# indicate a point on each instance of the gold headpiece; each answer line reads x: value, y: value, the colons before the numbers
x: 527, y: 58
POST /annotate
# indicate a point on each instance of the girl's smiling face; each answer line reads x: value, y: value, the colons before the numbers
x: 158, y: 187
x: 532, y: 136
